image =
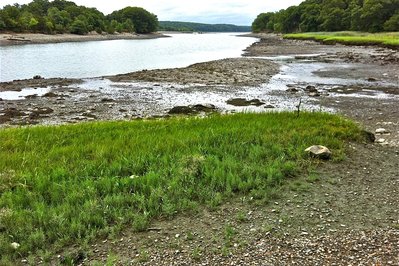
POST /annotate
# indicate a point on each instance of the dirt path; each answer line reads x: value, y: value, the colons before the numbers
x: 343, y: 213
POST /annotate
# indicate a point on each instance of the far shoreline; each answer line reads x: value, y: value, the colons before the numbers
x: 38, y: 38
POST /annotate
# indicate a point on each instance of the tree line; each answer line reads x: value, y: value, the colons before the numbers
x: 201, y: 27
x: 332, y: 15
x: 60, y: 16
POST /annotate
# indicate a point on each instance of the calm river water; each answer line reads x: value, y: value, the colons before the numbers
x: 93, y: 59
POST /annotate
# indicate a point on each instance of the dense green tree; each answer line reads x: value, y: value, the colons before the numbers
x: 264, y: 22
x: 310, y: 17
x: 143, y: 21
x: 60, y: 16
x: 332, y: 15
x: 392, y: 24
x: 79, y: 27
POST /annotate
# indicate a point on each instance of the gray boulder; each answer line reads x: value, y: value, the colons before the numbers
x: 319, y: 152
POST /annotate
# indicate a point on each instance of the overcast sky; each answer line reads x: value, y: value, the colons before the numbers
x: 240, y: 12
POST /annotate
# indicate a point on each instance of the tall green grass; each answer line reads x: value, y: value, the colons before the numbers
x: 388, y: 39
x: 69, y: 184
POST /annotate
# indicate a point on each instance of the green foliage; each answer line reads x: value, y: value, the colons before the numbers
x: 79, y: 27
x: 332, y: 15
x: 71, y: 183
x: 60, y: 16
x: 142, y: 20
x: 200, y: 27
x: 264, y: 22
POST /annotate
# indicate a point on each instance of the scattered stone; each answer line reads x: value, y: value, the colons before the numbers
x: 311, y: 88
x: 204, y: 108
x: 319, y: 152
x: 37, y: 77
x: 314, y: 94
x: 89, y: 115
x: 370, y: 137
x: 33, y: 96
x: 244, y: 102
x: 292, y: 90
x: 372, y: 79
x: 177, y: 110
x: 381, y: 131
x: 107, y: 100
x: 192, y: 109
x: 380, y: 141
x: 50, y: 95
x: 269, y: 106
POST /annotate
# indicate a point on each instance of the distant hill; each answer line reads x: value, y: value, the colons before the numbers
x: 200, y: 27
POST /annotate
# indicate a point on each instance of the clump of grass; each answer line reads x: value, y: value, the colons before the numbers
x: 387, y: 39
x: 69, y: 184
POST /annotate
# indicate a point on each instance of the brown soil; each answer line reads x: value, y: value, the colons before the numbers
x: 342, y: 213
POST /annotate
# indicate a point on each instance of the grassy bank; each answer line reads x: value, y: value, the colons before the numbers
x: 350, y: 38
x: 69, y: 184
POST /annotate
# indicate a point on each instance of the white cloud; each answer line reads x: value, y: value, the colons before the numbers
x: 222, y: 11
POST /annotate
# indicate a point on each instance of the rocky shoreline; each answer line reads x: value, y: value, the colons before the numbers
x: 36, y: 38
x: 347, y: 215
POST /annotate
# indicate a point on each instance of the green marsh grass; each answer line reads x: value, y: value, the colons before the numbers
x: 62, y: 185
x: 388, y: 39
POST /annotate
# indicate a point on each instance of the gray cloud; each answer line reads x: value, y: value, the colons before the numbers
x: 240, y: 12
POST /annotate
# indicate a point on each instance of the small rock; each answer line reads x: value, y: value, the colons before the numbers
x: 320, y: 152
x: 50, y: 95
x: 292, y: 90
x: 380, y: 140
x: 37, y: 77
x: 381, y: 131
x: 107, y: 100
x: 244, y: 102
x: 15, y: 245
x: 180, y: 110
x: 371, y: 79
x: 368, y: 135
x: 311, y: 88
x: 314, y: 94
x: 269, y: 106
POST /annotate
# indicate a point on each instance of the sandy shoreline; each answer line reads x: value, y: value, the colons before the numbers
x: 8, y: 39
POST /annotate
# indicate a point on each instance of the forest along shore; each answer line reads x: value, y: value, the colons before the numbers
x: 8, y: 39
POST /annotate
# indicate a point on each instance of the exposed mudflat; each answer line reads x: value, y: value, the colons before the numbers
x: 36, y: 38
x: 346, y: 214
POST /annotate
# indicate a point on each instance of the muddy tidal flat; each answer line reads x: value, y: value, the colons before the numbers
x: 274, y: 74
x: 348, y: 215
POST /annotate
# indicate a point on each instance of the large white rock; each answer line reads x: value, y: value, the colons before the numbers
x: 320, y: 152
